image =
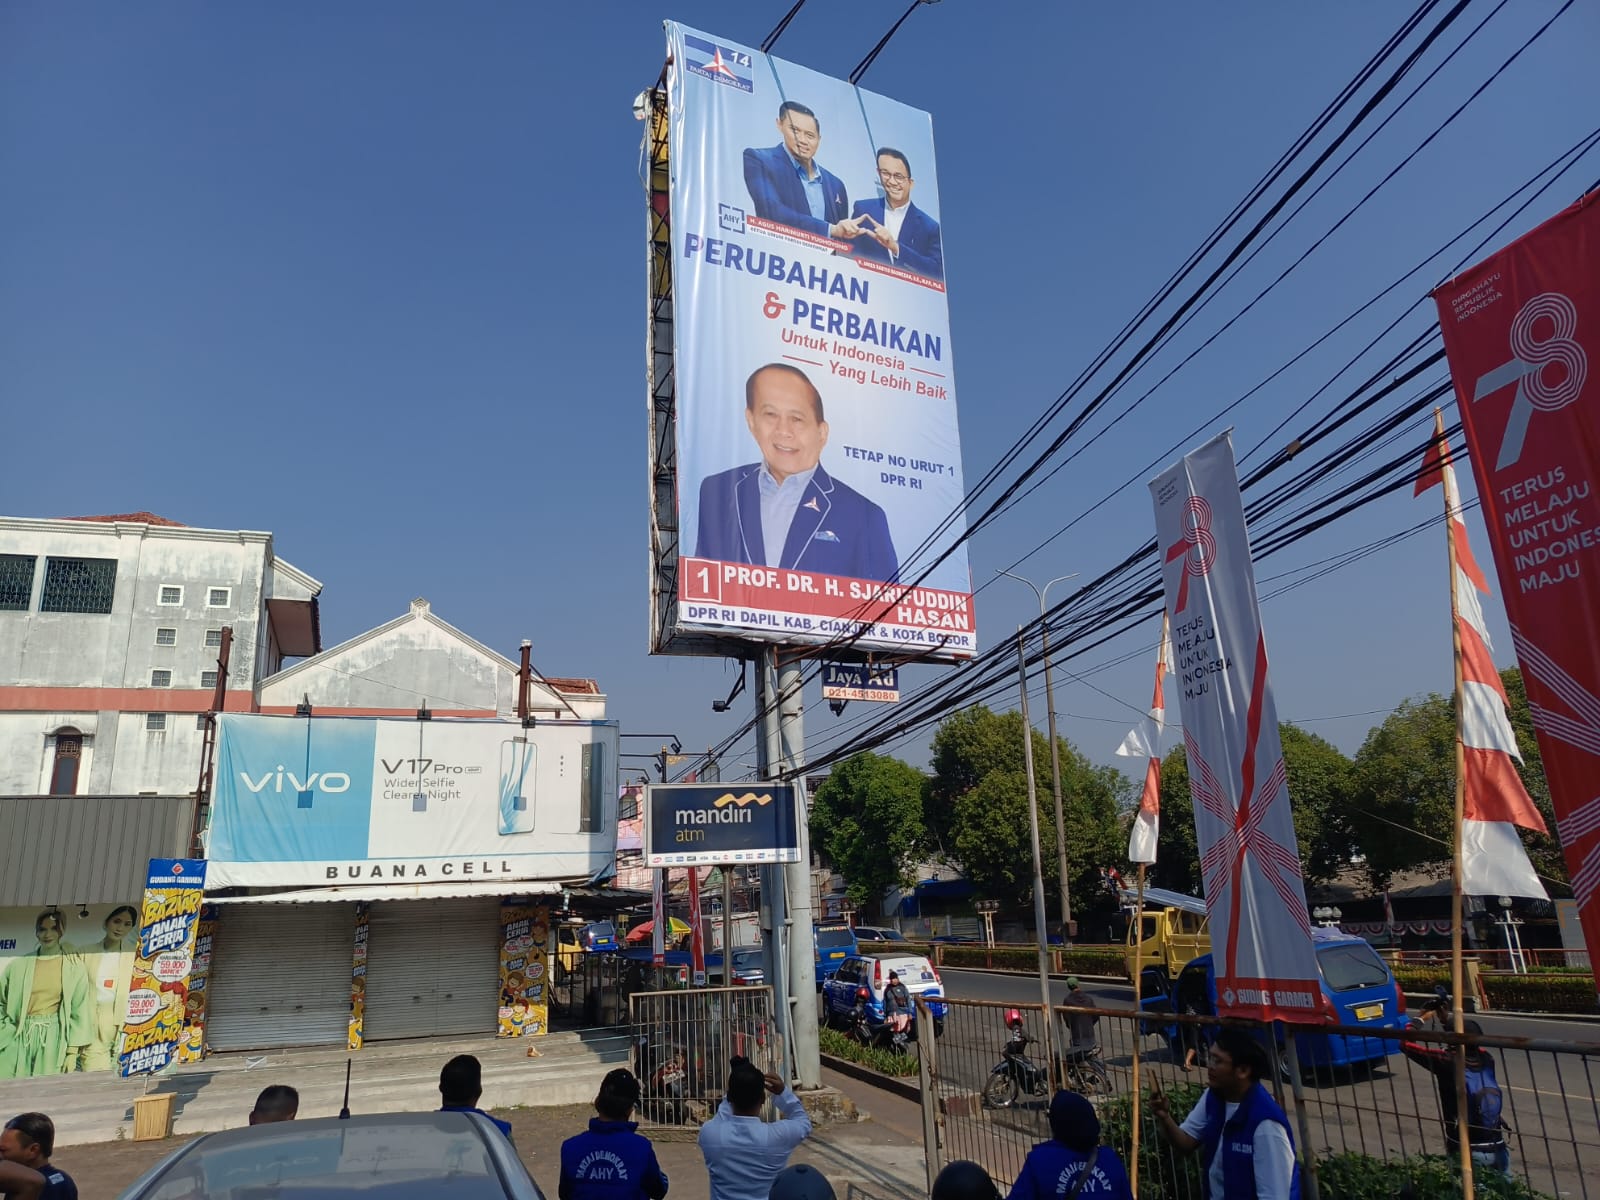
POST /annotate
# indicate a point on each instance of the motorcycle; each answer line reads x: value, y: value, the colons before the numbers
x: 1015, y: 1075
x: 882, y: 1034
x: 664, y: 1071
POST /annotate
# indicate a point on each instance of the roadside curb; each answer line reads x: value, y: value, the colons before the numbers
x: 898, y: 1087
x: 1119, y: 981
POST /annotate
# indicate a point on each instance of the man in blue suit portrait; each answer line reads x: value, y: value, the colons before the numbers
x: 788, y: 186
x: 894, y: 230
x: 786, y: 510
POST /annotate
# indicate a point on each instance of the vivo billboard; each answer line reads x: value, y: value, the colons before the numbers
x: 817, y: 449
x: 330, y: 800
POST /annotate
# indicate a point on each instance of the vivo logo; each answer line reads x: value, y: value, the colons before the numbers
x: 328, y: 781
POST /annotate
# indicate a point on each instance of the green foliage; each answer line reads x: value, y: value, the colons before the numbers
x: 1006, y: 958
x: 1403, y: 786
x: 1423, y: 1177
x: 867, y: 819
x: 977, y: 808
x: 1163, y: 1172
x: 837, y: 1044
x: 1320, y: 784
x: 1090, y: 960
x: 1541, y: 992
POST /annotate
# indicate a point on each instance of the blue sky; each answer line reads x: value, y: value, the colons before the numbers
x: 371, y: 277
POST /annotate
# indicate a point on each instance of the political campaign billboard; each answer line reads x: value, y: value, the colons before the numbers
x: 701, y: 824
x: 818, y: 459
x: 331, y: 800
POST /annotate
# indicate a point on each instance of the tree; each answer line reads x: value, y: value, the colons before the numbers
x: 867, y: 818
x: 1404, y: 782
x: 1319, y: 792
x: 977, y: 808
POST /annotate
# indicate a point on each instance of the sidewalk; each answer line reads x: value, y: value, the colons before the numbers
x: 879, y: 1158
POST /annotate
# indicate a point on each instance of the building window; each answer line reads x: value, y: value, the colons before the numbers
x: 171, y: 594
x: 155, y: 722
x: 16, y: 581
x: 592, y: 805
x: 78, y: 585
x: 160, y: 678
x: 68, y: 756
x: 219, y: 597
x: 200, y: 720
x: 208, y: 679
x: 213, y: 638
x: 166, y: 637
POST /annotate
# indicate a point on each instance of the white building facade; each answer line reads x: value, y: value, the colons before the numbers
x: 110, y: 629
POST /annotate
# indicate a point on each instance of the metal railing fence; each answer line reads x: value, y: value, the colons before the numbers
x: 1377, y: 1117
x: 685, y: 1040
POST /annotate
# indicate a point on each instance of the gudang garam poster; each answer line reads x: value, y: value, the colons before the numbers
x: 817, y: 445
x: 64, y: 976
x: 158, y: 994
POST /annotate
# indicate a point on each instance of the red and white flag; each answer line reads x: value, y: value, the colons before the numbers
x: 1144, y: 741
x: 1493, y: 860
x: 697, y: 943
x: 1250, y: 860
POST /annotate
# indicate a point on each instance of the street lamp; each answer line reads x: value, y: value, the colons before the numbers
x: 1055, y: 754
x: 1519, y: 961
x: 1328, y: 918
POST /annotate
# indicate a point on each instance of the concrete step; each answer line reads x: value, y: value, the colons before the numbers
x: 384, y: 1077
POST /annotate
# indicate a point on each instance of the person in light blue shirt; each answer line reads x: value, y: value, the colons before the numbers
x: 787, y: 185
x: 743, y: 1153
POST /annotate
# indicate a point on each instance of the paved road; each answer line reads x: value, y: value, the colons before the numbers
x: 1391, y: 1109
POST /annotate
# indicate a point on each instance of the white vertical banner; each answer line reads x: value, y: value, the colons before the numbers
x: 1260, y: 929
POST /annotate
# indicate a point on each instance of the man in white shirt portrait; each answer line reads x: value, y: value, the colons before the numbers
x: 895, y: 230
x: 743, y: 1153
x: 1240, y: 1130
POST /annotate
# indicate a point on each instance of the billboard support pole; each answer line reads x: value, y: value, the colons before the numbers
x: 774, y: 879
x: 802, y: 966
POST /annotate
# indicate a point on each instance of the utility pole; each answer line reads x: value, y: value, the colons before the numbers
x: 1038, y: 862
x: 1055, y: 751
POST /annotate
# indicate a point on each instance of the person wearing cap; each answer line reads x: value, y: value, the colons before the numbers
x: 801, y: 1182
x: 963, y: 1180
x: 896, y: 1004
x: 1081, y: 1038
x: 613, y: 1160
x: 743, y: 1153
x: 1072, y: 1162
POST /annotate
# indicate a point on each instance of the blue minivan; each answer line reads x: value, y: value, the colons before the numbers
x: 836, y: 941
x: 1357, y: 989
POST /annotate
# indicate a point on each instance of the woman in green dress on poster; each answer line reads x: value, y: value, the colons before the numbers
x: 46, y: 1006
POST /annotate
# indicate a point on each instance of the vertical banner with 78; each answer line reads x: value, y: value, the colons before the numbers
x: 1260, y: 930
x: 1521, y: 329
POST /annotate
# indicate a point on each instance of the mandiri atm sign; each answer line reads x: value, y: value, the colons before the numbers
x: 699, y: 824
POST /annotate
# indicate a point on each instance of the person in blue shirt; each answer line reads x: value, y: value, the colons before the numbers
x: 1240, y: 1130
x: 612, y: 1161
x: 789, y: 186
x: 1072, y: 1162
x: 29, y: 1140
x: 461, y: 1087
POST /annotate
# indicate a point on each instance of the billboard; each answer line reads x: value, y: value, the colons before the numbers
x: 158, y: 993
x: 330, y: 800
x: 1522, y: 332
x: 701, y: 824
x: 1249, y: 858
x: 860, y: 681
x: 817, y: 451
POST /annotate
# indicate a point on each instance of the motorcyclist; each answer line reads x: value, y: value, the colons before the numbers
x: 896, y: 1005
x: 1081, y: 1039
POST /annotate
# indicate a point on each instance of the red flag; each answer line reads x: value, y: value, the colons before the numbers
x: 1144, y: 741
x: 697, y: 944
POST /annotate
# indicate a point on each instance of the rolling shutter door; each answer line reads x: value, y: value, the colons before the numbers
x: 433, y: 968
x: 280, y: 976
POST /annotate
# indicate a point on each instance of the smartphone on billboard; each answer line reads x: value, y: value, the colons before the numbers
x: 516, y: 786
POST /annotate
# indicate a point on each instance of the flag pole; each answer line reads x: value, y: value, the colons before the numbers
x: 1138, y: 1083
x: 1462, y: 1124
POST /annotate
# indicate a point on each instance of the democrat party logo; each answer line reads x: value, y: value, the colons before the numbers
x: 721, y: 64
